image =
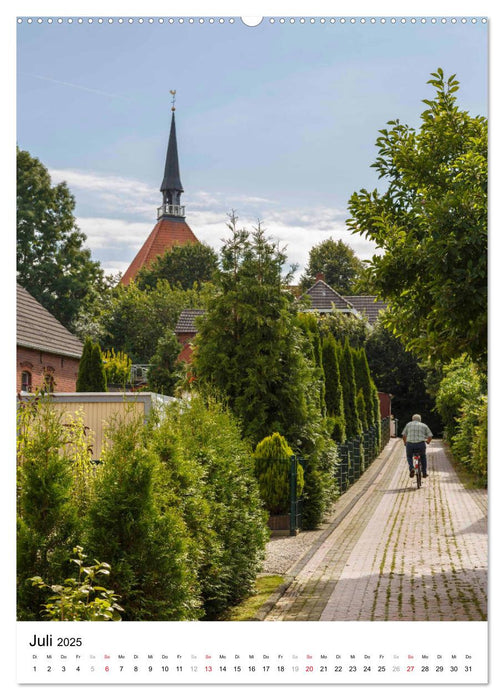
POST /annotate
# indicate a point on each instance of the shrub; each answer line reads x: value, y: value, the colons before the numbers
x: 320, y: 484
x: 461, y: 382
x: 212, y: 471
x: 117, y: 367
x: 272, y: 467
x: 147, y: 549
x: 48, y: 526
x: 469, y: 441
x: 80, y: 598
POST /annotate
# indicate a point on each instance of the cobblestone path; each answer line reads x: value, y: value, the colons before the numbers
x: 401, y: 553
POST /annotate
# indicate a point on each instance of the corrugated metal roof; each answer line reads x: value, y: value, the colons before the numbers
x: 185, y: 324
x: 38, y: 329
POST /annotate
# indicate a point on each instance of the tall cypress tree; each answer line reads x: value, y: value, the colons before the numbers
x: 91, y: 376
x: 352, y: 422
x: 333, y: 388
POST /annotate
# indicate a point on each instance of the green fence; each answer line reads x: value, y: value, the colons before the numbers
x: 354, y: 457
x: 357, y: 454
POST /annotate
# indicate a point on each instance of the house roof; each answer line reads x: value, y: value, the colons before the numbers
x: 323, y: 297
x: 38, y: 329
x: 368, y: 306
x: 165, y: 234
x: 186, y: 324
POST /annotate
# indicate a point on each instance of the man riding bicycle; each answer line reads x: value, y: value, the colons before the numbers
x: 415, y: 435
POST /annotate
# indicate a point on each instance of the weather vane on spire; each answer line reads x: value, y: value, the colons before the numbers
x: 172, y: 93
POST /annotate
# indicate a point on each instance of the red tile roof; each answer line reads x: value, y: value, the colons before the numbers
x: 165, y: 234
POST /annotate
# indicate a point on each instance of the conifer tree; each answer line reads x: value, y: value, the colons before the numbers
x: 91, y: 376
x: 352, y: 422
x: 249, y: 345
x: 333, y: 388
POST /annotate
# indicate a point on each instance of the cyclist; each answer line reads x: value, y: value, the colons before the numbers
x: 415, y: 435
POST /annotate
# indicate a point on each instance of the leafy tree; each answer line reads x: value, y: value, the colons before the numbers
x: 52, y: 262
x: 249, y: 346
x: 343, y: 326
x: 91, y: 376
x: 163, y: 372
x: 397, y: 371
x: 182, y: 265
x: 339, y: 264
x: 136, y: 319
x: 431, y: 224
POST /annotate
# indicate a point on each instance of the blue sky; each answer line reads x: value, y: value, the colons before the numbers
x: 277, y: 121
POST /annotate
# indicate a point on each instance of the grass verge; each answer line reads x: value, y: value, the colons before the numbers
x: 264, y: 587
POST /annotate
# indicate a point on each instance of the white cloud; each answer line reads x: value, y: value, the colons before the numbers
x: 113, y: 233
x: 115, y: 236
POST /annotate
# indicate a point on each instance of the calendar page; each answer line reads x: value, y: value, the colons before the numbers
x: 251, y: 348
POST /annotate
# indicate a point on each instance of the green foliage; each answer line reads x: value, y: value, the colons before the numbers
x: 182, y: 266
x: 343, y: 326
x: 117, y: 367
x: 333, y: 388
x: 52, y: 262
x: 431, y: 226
x: 353, y: 424
x: 462, y: 403
x: 320, y: 489
x: 339, y: 264
x: 361, y: 409
x: 165, y: 370
x: 397, y: 371
x: 272, y: 458
x: 250, y: 348
x: 209, y: 469
x: 135, y: 319
x: 91, y: 376
x: 461, y: 382
x: 81, y: 598
x: 174, y: 508
x: 469, y: 441
x: 47, y: 520
x: 147, y: 549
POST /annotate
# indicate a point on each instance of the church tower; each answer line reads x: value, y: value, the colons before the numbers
x: 171, y: 228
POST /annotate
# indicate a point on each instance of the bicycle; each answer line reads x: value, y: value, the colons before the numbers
x: 417, y: 466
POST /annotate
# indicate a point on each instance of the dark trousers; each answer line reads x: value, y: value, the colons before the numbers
x: 420, y: 447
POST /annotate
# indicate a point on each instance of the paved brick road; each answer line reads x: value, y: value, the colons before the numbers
x: 400, y: 553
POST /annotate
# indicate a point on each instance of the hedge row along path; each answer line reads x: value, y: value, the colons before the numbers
x: 393, y: 552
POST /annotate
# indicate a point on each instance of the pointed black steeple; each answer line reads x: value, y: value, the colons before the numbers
x: 171, y: 187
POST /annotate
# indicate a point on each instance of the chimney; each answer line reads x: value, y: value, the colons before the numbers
x: 320, y: 277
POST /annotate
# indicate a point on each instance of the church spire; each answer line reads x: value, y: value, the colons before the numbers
x: 171, y: 187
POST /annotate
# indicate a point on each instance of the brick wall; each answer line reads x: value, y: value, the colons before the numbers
x: 62, y: 369
x: 185, y: 339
